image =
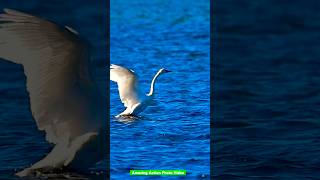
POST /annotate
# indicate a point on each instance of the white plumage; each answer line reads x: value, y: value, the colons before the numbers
x: 129, y: 92
x: 64, y: 99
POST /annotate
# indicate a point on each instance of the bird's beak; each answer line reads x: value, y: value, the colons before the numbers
x: 167, y: 71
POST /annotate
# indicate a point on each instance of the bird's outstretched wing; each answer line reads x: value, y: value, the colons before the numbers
x: 55, y: 63
x: 127, y: 84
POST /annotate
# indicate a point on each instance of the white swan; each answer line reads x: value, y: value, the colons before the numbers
x: 128, y: 89
x: 64, y: 99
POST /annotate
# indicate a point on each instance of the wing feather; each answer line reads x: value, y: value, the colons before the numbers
x: 55, y: 63
x: 127, y: 84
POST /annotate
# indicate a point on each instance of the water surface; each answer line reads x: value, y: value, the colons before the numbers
x: 266, y: 80
x: 174, y: 133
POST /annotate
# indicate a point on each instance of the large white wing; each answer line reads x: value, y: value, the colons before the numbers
x: 127, y: 84
x: 55, y: 63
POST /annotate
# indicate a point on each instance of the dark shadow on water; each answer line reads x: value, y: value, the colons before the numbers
x: 68, y: 175
x: 130, y: 119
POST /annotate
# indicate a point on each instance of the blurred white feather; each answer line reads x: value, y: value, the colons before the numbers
x: 64, y: 99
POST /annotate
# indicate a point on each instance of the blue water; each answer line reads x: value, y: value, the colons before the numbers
x: 266, y: 90
x: 21, y: 144
x: 174, y: 133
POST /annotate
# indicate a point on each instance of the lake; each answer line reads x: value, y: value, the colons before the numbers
x: 266, y: 90
x: 175, y: 132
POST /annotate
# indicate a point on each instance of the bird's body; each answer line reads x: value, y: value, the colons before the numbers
x: 64, y: 99
x: 130, y: 95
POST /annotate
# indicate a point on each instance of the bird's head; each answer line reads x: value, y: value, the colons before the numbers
x: 163, y: 70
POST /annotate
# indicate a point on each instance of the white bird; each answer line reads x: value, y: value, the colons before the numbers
x: 129, y: 92
x: 64, y: 99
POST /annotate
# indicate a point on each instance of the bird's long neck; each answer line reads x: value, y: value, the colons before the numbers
x: 152, y: 84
